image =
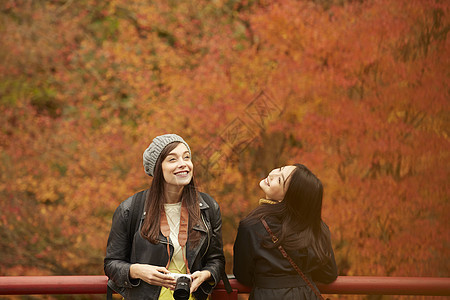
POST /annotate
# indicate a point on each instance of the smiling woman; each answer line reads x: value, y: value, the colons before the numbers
x: 179, y: 231
x: 276, y: 183
x: 177, y: 170
x: 283, y: 235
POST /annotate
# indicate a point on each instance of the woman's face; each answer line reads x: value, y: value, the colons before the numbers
x: 276, y: 184
x: 177, y: 166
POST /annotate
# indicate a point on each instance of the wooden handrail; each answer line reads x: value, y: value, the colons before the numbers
x: 364, y: 285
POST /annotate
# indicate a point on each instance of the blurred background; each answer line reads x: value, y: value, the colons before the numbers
x: 358, y: 91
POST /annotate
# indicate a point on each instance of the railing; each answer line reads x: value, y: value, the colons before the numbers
x: 365, y: 285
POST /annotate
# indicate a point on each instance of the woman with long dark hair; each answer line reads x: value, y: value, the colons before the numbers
x: 292, y: 213
x: 177, y: 230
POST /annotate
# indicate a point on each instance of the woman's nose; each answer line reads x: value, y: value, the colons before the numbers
x: 181, y: 163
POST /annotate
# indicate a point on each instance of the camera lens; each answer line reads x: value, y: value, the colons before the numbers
x: 182, y: 288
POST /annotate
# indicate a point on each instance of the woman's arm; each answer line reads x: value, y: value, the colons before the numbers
x: 328, y: 272
x: 243, y: 258
x: 214, y: 258
x: 116, y: 262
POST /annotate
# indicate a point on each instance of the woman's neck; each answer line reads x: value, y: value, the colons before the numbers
x: 172, y: 194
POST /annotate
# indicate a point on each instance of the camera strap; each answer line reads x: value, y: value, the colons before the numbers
x: 182, y: 233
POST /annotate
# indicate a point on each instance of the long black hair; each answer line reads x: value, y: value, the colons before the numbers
x: 154, y: 204
x: 299, y: 214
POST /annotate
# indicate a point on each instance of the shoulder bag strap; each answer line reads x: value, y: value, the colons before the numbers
x: 226, y: 282
x: 285, y: 255
x: 109, y: 293
x: 137, y: 206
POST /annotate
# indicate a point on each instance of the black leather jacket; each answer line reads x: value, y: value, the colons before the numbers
x: 270, y: 275
x: 208, y: 255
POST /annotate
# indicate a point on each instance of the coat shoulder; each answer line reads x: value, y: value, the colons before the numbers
x: 126, y: 205
x: 210, y: 201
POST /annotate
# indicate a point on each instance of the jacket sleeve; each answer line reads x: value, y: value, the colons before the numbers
x: 328, y: 272
x: 243, y: 257
x: 215, y: 259
x: 116, y: 263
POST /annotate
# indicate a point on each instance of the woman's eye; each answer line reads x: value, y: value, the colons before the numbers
x: 187, y: 157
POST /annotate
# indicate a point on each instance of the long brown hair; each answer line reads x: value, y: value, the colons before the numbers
x: 154, y: 204
x: 300, y: 215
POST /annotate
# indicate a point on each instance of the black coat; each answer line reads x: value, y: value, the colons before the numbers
x: 270, y: 275
x: 208, y: 255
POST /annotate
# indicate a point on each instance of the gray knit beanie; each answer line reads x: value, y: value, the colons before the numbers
x: 151, y: 154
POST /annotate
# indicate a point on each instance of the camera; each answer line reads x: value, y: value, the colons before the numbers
x: 182, y: 287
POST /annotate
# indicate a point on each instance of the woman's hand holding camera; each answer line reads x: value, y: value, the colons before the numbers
x: 154, y: 275
x: 198, y: 277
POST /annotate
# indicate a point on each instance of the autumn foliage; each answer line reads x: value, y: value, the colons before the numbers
x: 356, y: 90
